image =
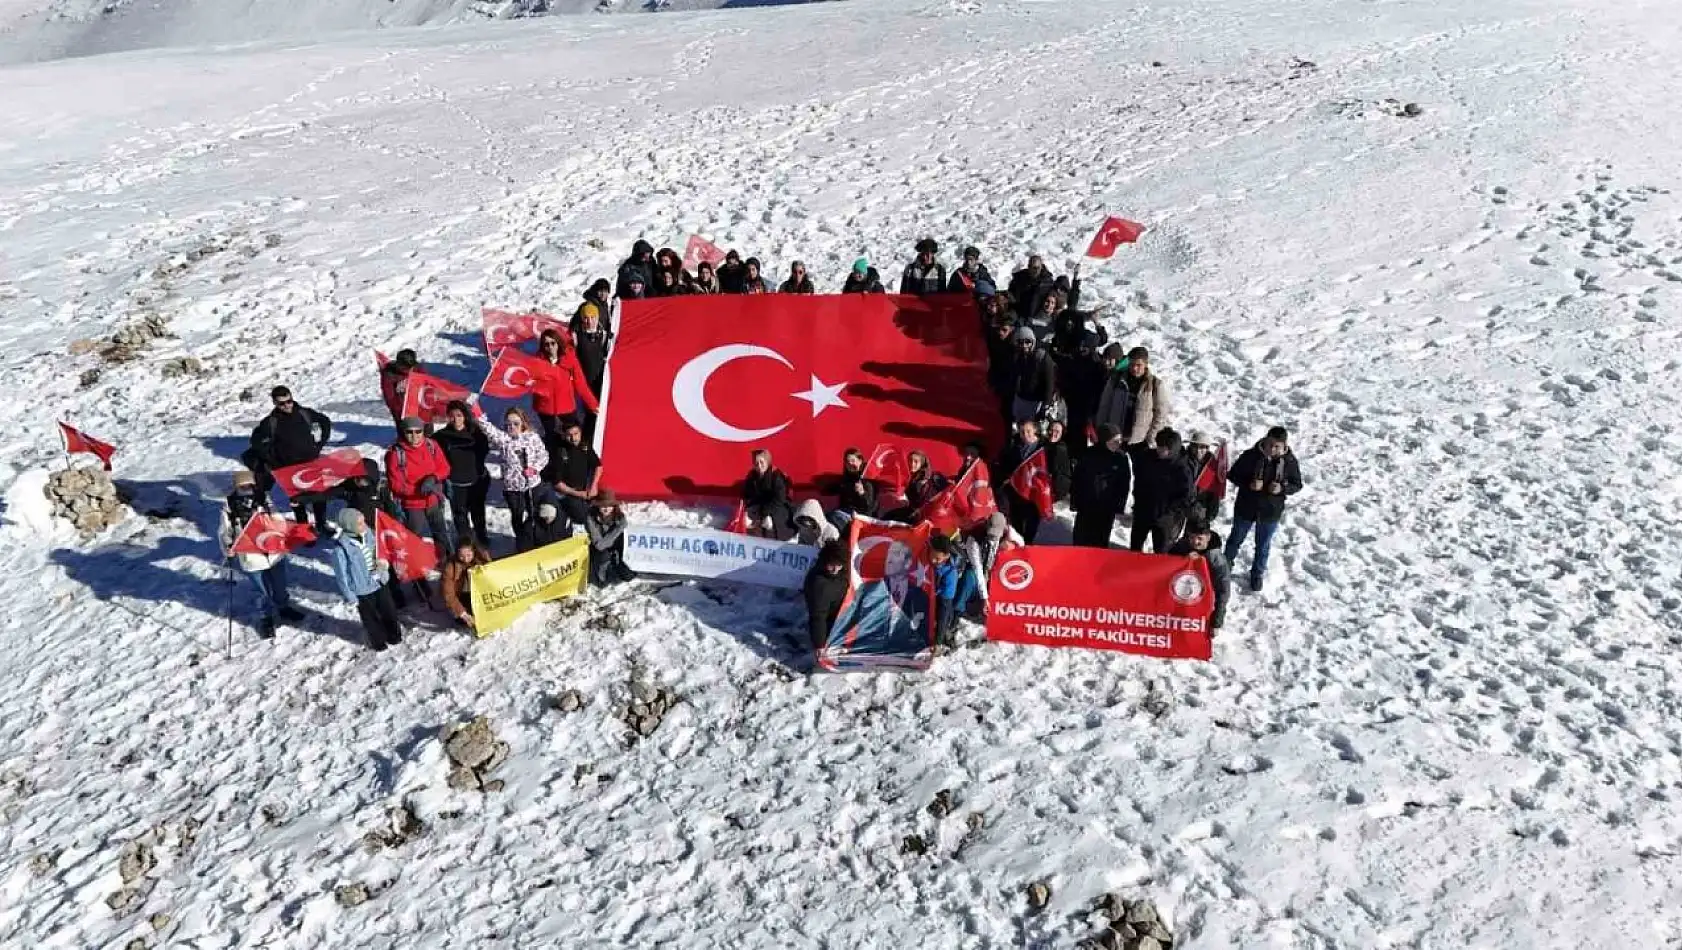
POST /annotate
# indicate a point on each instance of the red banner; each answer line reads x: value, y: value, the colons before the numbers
x: 410, y: 555
x: 319, y: 475
x: 429, y: 397
x: 76, y: 441
x: 271, y: 534
x: 1150, y: 604
x: 515, y: 373
x: 503, y: 329
x: 708, y: 379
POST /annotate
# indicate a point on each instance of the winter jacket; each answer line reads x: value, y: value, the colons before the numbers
x: 458, y: 587
x: 963, y: 282
x: 763, y: 491
x: 236, y: 512
x: 556, y: 388
x: 287, y: 438
x: 1208, y: 502
x: 540, y: 533
x: 408, y: 469
x: 755, y: 285
x: 1254, y: 465
x: 636, y: 266
x: 923, y: 281
x: 393, y: 383
x: 946, y: 581
x: 1220, y: 574
x: 1057, y: 460
x: 465, y: 451
x: 1101, y: 482
x: 824, y: 593
x: 575, y: 466
x: 732, y: 279
x: 804, y: 286
x: 699, y: 286
x: 350, y: 555
x: 1033, y: 376
x: 606, y: 534
x: 1139, y: 416
x: 923, y: 487
x: 591, y: 348
x: 811, y: 527
x: 523, y: 456
x: 1029, y: 291
x: 870, y: 283
x: 1080, y: 381
x: 1070, y: 327
x: 848, y: 497
x: 1001, y: 366
x: 1161, y: 487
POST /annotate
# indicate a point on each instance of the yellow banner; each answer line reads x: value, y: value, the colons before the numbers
x: 505, y: 589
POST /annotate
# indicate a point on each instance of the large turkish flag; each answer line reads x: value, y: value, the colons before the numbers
x: 696, y: 383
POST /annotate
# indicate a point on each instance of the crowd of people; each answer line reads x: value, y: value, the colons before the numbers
x: 1098, y: 412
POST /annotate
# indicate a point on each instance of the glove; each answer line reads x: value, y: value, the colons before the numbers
x: 531, y: 473
x: 428, y: 486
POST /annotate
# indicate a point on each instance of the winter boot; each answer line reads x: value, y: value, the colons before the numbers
x: 291, y: 614
x: 265, y: 628
x: 1255, y: 583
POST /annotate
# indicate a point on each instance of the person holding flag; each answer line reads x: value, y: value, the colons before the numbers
x: 559, y: 391
x: 417, y: 469
x: 290, y: 435
x: 394, y: 382
x: 1208, y: 473
x: 855, y: 493
x: 1027, y: 494
x: 266, y: 571
x: 362, y: 577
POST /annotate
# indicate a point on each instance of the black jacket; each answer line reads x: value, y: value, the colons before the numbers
x: 466, y: 451
x: 1161, y: 487
x: 1009, y: 460
x: 1253, y: 466
x: 1057, y: 459
x: 923, y: 281
x: 962, y: 283
x: 1220, y: 574
x: 764, y: 491
x: 574, y: 465
x: 1069, y: 327
x: 848, y: 499
x: 870, y: 283
x: 1080, y: 381
x: 540, y: 533
x: 283, y: 439
x: 732, y: 279
x: 1101, y: 482
x: 824, y: 594
x: 604, y: 311
x: 636, y: 266
x: 803, y: 287
x: 1033, y: 376
x: 1029, y: 292
x: 924, y: 486
x: 592, y: 354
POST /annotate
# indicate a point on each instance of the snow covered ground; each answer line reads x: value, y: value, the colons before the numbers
x: 1451, y: 722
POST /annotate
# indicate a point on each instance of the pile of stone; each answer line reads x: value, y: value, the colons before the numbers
x: 183, y: 366
x: 1133, y: 925
x: 86, y: 497
x: 647, y: 708
x: 402, y: 827
x: 474, y: 752
x: 134, y: 867
x: 135, y: 338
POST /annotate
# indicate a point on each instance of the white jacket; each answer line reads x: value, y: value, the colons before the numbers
x: 825, y: 533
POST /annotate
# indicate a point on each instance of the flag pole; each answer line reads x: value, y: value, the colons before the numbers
x: 228, y: 579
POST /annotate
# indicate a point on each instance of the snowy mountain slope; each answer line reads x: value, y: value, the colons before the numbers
x: 1450, y: 722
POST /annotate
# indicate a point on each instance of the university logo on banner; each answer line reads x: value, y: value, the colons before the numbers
x: 717, y: 555
x: 1150, y: 604
x: 319, y: 475
x: 887, y: 618
x: 709, y: 378
x: 504, y: 589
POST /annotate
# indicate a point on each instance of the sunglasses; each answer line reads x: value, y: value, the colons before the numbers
x: 283, y: 402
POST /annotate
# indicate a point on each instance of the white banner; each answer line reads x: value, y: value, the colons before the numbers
x: 695, y: 552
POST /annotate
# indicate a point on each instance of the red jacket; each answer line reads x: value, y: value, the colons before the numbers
x: 554, y: 393
x: 406, y: 466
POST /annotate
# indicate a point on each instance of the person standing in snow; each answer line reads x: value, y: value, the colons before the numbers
x: 1134, y: 400
x: 469, y: 484
x: 1080, y: 381
x: 267, y: 572
x: 637, y: 269
x: 732, y: 275
x: 970, y: 274
x: 458, y: 580
x: 1162, y: 494
x: 753, y: 282
x: 666, y: 285
x: 1020, y: 513
x: 811, y: 527
x: 1098, y: 491
x: 798, y: 282
x: 924, y: 276
x: 765, y: 495
x: 524, y: 458
x: 605, y: 527
x: 362, y: 576
x: 394, y: 381
x: 863, y: 279
x: 706, y: 282
x: 824, y: 589
x: 1266, y: 475
x: 1001, y: 364
x: 1201, y: 542
x: 591, y: 344
x: 417, y: 470
x: 922, y: 484
x: 600, y: 296
x: 1029, y: 287
x: 668, y: 262
x: 577, y: 473
x: 1207, y: 480
x: 289, y: 435
x: 559, y: 391
x: 1057, y: 459
x: 1033, y: 378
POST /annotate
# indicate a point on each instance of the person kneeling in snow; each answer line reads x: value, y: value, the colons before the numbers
x: 953, y: 587
x: 267, y: 571
x: 606, y: 527
x: 458, y: 580
x: 765, y: 493
x: 362, y: 580
x: 549, y: 523
x: 1199, y: 541
x: 825, y: 588
x: 811, y: 528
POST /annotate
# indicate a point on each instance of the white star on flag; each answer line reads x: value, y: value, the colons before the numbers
x: 822, y: 396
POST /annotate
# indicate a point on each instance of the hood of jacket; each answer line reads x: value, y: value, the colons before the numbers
x: 813, y: 509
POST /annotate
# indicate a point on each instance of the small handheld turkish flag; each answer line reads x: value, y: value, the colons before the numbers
x: 887, y: 465
x: 75, y: 441
x: 739, y: 521
x: 1032, y: 482
x: 514, y: 374
x: 271, y: 534
x: 503, y: 329
x: 1112, y: 234
x: 1213, y: 477
x: 700, y: 249
x: 428, y: 397
x: 380, y: 359
x: 320, y: 474
x: 410, y: 555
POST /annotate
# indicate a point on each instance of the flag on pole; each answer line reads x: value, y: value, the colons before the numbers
x: 887, y: 465
x: 410, y: 555
x: 1032, y: 481
x: 269, y: 533
x: 700, y: 249
x: 75, y: 441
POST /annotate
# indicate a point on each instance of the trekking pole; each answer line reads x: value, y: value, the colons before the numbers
x: 228, y: 579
